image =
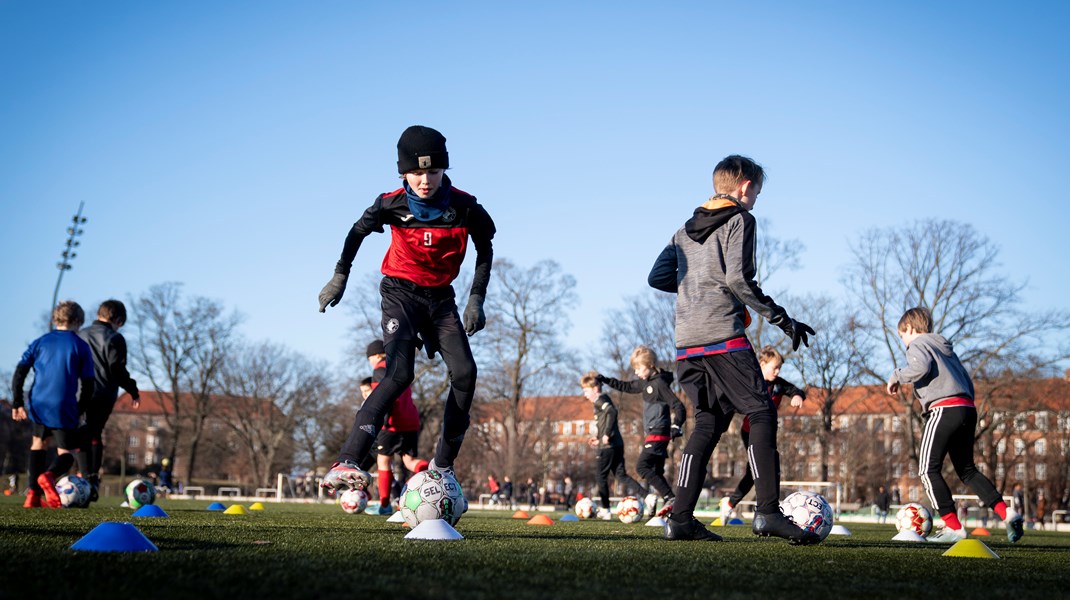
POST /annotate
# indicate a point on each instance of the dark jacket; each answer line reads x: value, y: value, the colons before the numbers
x: 661, y: 407
x: 109, y: 362
x: 605, y: 416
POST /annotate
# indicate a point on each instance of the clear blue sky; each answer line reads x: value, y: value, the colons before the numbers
x: 230, y: 146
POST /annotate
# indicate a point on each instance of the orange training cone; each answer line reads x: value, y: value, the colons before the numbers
x: 980, y: 531
x: 521, y: 515
x: 541, y: 520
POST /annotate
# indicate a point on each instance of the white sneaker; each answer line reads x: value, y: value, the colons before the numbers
x: 604, y: 514
x: 345, y: 476
x: 651, y: 503
x: 431, y: 466
x: 726, y: 510
x: 947, y: 535
x: 1015, y: 526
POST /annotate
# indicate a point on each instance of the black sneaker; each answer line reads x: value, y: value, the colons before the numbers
x: 694, y: 530
x: 776, y: 524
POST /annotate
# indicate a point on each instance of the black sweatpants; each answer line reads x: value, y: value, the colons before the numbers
x: 719, y: 386
x: 611, y: 460
x: 949, y: 431
x: 412, y: 312
x: 651, y: 467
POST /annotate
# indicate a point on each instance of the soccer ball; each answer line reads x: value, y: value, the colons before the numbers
x: 585, y: 508
x: 914, y: 517
x: 73, y: 491
x: 353, y: 501
x: 629, y: 509
x: 810, y: 511
x: 140, y: 492
x: 432, y: 495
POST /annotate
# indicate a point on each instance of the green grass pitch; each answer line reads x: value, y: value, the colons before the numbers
x: 315, y: 551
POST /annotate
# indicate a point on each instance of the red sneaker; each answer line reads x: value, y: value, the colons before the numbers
x: 33, y: 499
x: 47, y: 481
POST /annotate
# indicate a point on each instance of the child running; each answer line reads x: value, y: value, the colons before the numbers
x: 945, y: 391
x: 609, y: 442
x: 430, y: 223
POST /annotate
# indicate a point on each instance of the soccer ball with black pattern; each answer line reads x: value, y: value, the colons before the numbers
x: 810, y: 511
x: 140, y: 492
x: 430, y: 495
x: 73, y: 491
x: 353, y: 501
x: 629, y: 509
x: 585, y: 508
x: 914, y: 517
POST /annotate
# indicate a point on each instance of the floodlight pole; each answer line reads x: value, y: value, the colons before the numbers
x: 68, y: 255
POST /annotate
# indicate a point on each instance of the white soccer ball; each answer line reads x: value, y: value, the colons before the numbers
x: 584, y: 508
x: 629, y: 509
x: 810, y: 511
x: 432, y: 495
x: 353, y: 501
x: 914, y: 517
x: 140, y: 492
x: 73, y: 491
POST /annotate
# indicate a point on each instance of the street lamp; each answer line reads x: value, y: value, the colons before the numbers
x: 68, y: 255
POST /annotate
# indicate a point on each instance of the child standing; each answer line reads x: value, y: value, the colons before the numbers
x: 400, y: 435
x: 609, y: 442
x: 770, y: 361
x: 109, y: 363
x: 709, y: 265
x: 663, y: 419
x: 61, y: 361
x: 945, y: 391
x: 430, y: 223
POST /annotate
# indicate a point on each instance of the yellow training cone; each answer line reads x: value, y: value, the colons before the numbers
x: 521, y: 515
x: 256, y: 506
x: 541, y: 520
x: 717, y: 522
x: 970, y: 549
x: 236, y: 509
x: 980, y: 531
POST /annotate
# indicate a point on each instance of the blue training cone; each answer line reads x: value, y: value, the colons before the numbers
x: 569, y: 518
x: 115, y: 537
x: 149, y: 510
x: 216, y: 506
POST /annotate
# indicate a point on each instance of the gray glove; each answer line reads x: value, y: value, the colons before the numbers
x: 474, y: 319
x: 332, y: 292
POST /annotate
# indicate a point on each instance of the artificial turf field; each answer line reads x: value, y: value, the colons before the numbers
x: 313, y: 551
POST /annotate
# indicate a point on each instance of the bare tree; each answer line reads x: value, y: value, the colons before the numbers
x: 181, y: 345
x: 270, y: 389
x: 831, y: 364
x: 950, y: 268
x: 521, y: 349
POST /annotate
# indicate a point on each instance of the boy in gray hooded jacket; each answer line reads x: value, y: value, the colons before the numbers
x: 945, y: 391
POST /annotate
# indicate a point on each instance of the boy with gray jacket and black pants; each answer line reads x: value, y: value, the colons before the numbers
x: 709, y: 264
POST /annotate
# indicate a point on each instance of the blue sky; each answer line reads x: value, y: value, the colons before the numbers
x: 230, y: 147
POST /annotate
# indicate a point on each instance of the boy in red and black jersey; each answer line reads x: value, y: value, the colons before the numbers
x: 430, y: 224
x: 400, y: 435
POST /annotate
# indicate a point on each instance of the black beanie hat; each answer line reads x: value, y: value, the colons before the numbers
x: 376, y: 347
x: 422, y: 148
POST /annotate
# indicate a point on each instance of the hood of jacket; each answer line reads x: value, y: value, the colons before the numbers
x: 710, y: 216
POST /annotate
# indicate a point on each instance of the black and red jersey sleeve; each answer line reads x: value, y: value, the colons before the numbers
x: 369, y: 222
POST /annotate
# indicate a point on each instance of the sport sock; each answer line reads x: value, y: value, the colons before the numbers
x: 61, y: 465
x: 420, y: 466
x: 385, y: 481
x: 38, y: 460
x: 952, y: 521
x: 1001, y: 509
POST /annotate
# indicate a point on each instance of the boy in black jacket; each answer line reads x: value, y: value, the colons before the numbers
x: 609, y: 442
x: 109, y: 364
x: 430, y: 224
x: 709, y: 264
x: 663, y: 419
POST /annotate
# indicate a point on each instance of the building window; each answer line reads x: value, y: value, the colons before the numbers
x: 897, y: 424
x: 150, y: 457
x: 131, y: 459
x: 1041, y: 471
x: 1041, y: 421
x: 566, y: 428
x: 897, y: 447
x: 1040, y: 447
x: 150, y: 441
x: 1019, y: 471
x: 897, y: 471
x: 154, y: 422
x: 1019, y: 447
x: 1020, y: 423
x: 133, y: 441
x: 1001, y: 446
x: 845, y: 422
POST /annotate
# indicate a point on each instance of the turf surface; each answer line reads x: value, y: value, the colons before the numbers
x: 311, y: 551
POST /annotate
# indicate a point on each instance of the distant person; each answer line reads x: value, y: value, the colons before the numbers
x: 166, y: 480
x: 532, y: 491
x: 109, y: 364
x: 770, y: 360
x: 63, y: 381
x: 494, y: 488
x: 883, y: 502
x: 400, y: 435
x: 431, y: 222
x: 507, y: 492
x: 609, y: 442
x: 945, y: 391
x: 663, y: 419
x: 710, y: 265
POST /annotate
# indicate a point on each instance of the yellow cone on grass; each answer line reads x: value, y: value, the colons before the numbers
x: 256, y: 506
x: 235, y: 509
x: 717, y: 522
x: 969, y: 548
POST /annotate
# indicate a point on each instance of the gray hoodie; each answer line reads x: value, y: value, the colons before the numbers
x: 935, y: 371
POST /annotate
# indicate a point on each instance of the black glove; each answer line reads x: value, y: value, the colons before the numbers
x: 796, y: 330
x: 675, y: 432
x: 332, y: 292
x: 600, y: 378
x: 474, y: 318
